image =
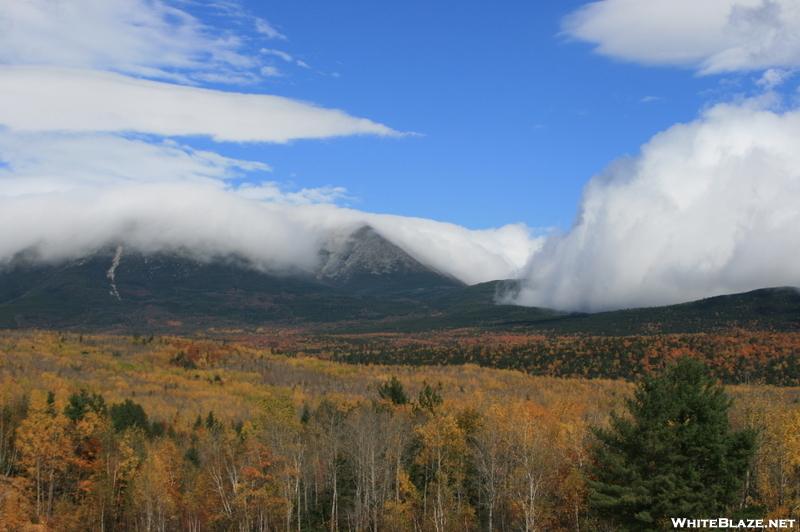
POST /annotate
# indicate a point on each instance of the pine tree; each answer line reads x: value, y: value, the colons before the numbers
x: 393, y: 391
x: 674, y: 456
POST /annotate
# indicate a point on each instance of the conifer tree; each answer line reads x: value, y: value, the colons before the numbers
x: 673, y: 456
x: 393, y: 391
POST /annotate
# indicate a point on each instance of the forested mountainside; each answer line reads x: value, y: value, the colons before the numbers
x: 367, y: 286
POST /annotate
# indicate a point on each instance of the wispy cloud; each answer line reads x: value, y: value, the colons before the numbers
x: 271, y: 72
x: 774, y: 77
x: 282, y: 55
x: 38, y: 98
x: 262, y: 26
x: 274, y: 191
x: 137, y: 37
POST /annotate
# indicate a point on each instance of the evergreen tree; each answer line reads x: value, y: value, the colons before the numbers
x: 82, y: 403
x: 128, y: 414
x: 429, y: 398
x: 674, y: 456
x: 393, y: 391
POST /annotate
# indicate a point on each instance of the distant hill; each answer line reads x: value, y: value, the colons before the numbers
x: 776, y: 309
x: 768, y: 309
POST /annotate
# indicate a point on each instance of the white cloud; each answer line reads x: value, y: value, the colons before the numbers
x: 262, y: 26
x: 274, y: 191
x: 209, y: 221
x: 38, y: 98
x: 473, y: 256
x: 152, y: 217
x: 712, y: 36
x: 270, y: 72
x: 774, y: 77
x: 282, y: 55
x: 709, y: 207
x: 70, y: 194
x: 52, y: 162
x: 138, y: 37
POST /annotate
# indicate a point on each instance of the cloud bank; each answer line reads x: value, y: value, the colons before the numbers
x: 208, y: 220
x: 710, y: 207
x: 712, y: 36
x: 707, y: 208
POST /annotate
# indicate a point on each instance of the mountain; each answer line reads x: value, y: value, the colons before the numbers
x: 367, y: 263
x: 362, y: 283
x: 362, y: 277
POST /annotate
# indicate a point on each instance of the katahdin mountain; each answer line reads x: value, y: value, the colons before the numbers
x: 362, y: 283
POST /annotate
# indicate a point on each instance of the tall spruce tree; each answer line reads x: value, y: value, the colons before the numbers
x: 673, y: 456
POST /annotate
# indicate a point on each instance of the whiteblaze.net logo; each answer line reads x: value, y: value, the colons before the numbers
x: 722, y: 522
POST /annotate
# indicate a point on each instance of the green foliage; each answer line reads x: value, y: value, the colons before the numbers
x: 211, y: 422
x: 181, y: 360
x: 393, y: 391
x: 128, y: 414
x: 429, y: 398
x: 82, y: 403
x: 674, y: 456
x: 305, y: 415
x: 192, y: 456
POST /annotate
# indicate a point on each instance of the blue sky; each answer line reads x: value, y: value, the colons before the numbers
x: 515, y: 116
x: 608, y: 154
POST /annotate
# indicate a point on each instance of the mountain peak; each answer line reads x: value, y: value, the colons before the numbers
x: 367, y: 262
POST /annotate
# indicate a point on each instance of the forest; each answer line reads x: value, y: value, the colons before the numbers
x: 281, y: 431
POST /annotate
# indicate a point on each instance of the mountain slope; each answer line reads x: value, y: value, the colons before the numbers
x: 153, y: 290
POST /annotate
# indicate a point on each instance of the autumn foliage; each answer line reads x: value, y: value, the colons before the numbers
x: 273, y: 432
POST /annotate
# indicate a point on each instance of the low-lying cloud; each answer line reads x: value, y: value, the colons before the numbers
x: 209, y: 221
x: 69, y: 194
x: 710, y: 207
